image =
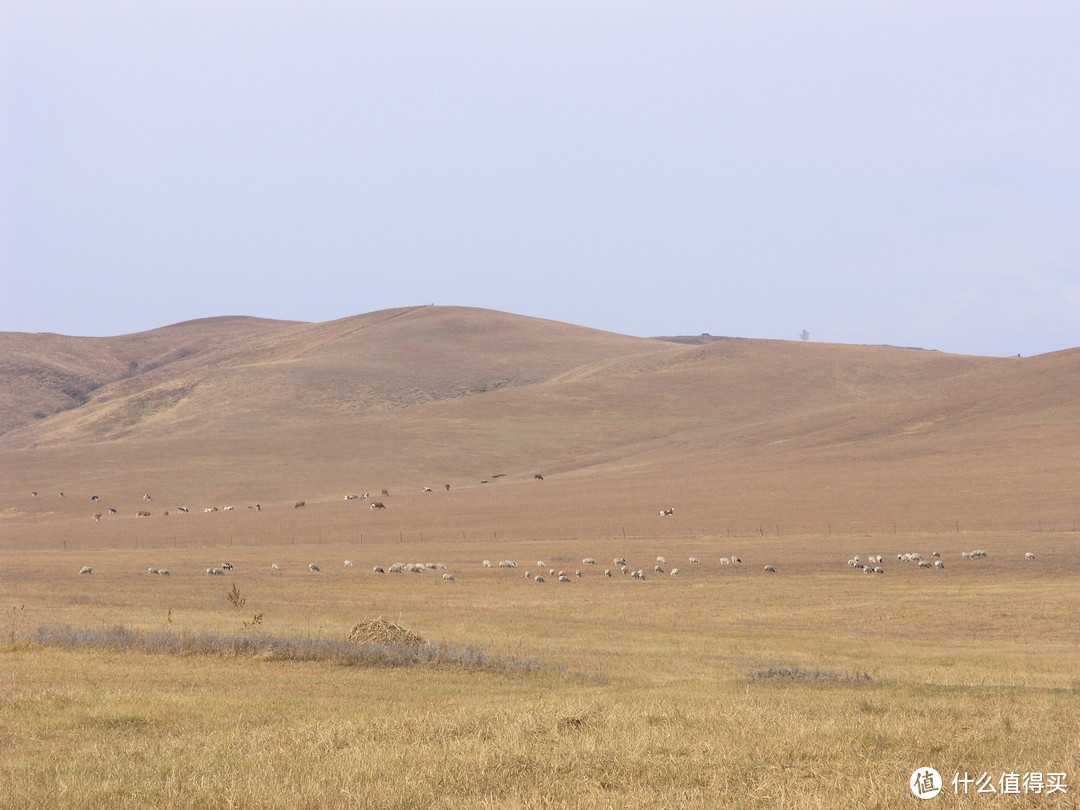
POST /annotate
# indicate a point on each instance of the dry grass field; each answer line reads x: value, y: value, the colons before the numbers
x: 817, y: 686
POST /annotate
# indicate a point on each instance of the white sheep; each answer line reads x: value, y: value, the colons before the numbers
x: 348, y: 564
x: 1029, y: 556
x: 661, y: 560
x: 151, y: 570
x: 607, y: 572
x: 674, y: 572
x: 216, y: 572
x: 448, y: 577
x: 588, y: 561
x: 86, y: 569
x: 939, y: 564
x: 695, y: 560
x: 313, y: 567
x: 563, y: 578
x: 541, y: 564
x: 275, y: 568
x: 620, y: 561
x: 487, y: 563
x: 725, y: 561
x: 508, y: 564
x: 539, y: 578
x: 769, y: 569
x: 164, y: 572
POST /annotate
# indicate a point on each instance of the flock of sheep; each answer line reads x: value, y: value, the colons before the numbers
x: 872, y: 565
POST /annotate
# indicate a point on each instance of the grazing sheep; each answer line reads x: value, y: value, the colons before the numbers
x: 1029, y: 556
x: 658, y: 569
x: 879, y: 570
x: 695, y: 560
x: 275, y: 568
x: 378, y: 569
x: 725, y: 561
x: 86, y: 569
x: 925, y: 564
x: 639, y: 574
x: 868, y: 569
x: 151, y: 570
x: 539, y: 579
x: 528, y: 575
x: 623, y: 569
x: 349, y: 564
x: 588, y: 561
x: 397, y: 568
x: 939, y: 564
x: 607, y: 572
x: 936, y: 554
x: 563, y: 578
x: 313, y: 567
x: 216, y: 572
x: 661, y: 560
x: 620, y: 561
x: 736, y: 560
x: 674, y: 572
x: 541, y: 564
x: 508, y: 564
x: 164, y: 572
x: 448, y: 577
x: 769, y: 569
x: 227, y: 566
x: 487, y: 563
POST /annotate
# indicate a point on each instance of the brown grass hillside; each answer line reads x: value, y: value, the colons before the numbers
x: 741, y: 436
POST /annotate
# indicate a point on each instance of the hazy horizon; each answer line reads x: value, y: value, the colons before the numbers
x: 904, y: 175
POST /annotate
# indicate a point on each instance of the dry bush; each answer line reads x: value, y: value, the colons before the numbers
x: 380, y: 631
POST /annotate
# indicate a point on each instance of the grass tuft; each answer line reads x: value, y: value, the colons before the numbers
x: 796, y: 674
x: 298, y: 648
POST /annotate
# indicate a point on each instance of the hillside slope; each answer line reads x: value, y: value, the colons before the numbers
x: 758, y: 432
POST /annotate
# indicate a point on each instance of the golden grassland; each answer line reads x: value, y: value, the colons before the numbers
x: 814, y: 687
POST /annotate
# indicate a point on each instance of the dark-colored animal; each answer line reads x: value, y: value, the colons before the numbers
x: 299, y: 504
x: 378, y: 505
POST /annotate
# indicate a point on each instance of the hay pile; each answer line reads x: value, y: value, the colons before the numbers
x: 380, y: 631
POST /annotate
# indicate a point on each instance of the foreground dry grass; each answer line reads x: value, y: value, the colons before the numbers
x: 650, y: 698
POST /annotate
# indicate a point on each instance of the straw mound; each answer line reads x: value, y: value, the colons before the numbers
x: 380, y: 631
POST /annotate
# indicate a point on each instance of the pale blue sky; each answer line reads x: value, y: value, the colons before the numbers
x: 895, y: 172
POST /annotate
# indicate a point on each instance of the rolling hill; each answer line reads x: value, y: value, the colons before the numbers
x: 740, y: 435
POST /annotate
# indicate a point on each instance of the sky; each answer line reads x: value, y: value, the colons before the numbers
x: 903, y: 173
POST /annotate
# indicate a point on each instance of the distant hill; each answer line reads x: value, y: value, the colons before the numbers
x: 407, y: 397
